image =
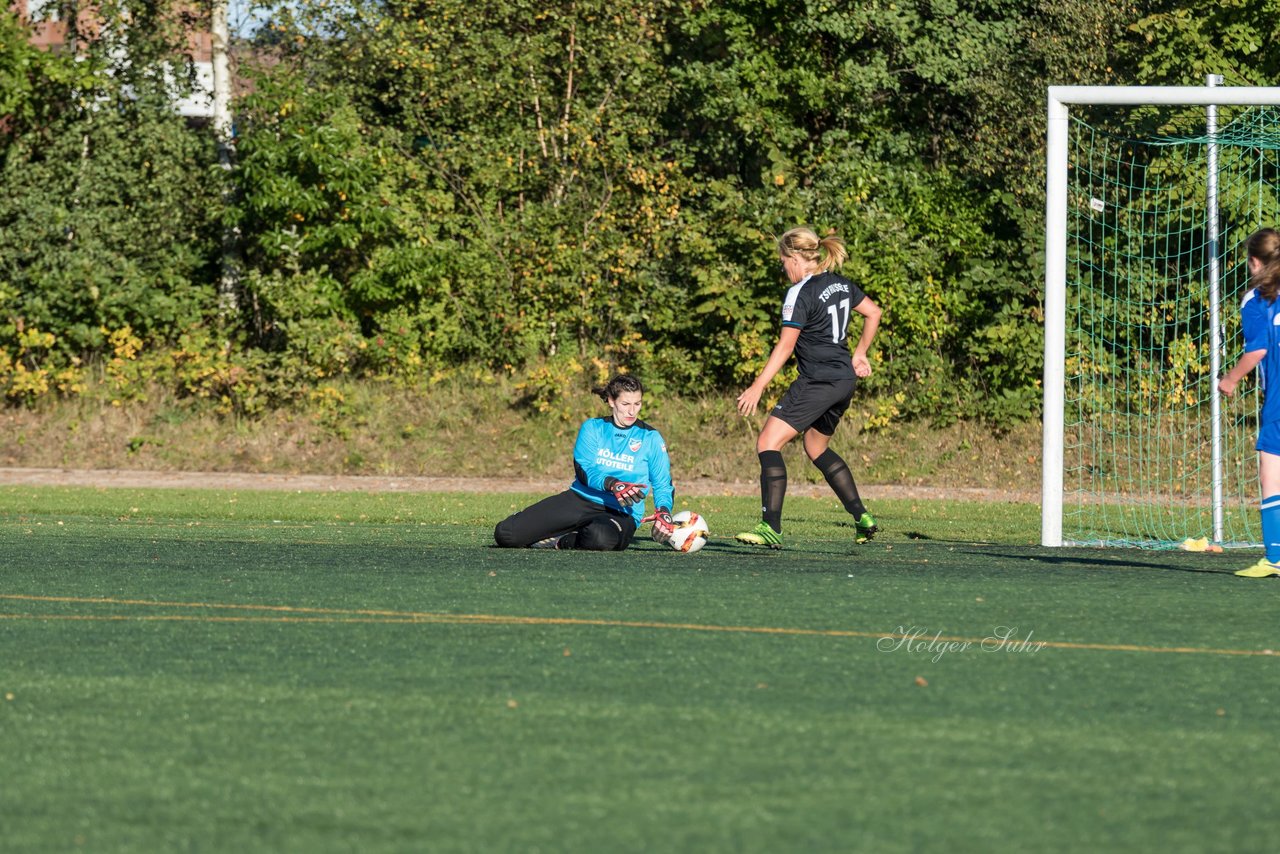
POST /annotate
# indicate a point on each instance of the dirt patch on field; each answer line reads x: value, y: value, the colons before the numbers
x: 234, y: 481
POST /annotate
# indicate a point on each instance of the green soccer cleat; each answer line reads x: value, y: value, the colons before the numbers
x: 761, y: 535
x: 1261, y: 569
x: 867, y: 527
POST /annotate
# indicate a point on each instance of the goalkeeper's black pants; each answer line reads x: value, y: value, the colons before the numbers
x: 580, y: 524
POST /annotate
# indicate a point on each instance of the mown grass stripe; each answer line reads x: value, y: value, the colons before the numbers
x: 345, y: 615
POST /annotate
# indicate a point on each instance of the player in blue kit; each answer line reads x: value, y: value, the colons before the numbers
x: 1259, y: 319
x: 617, y: 460
x: 815, y: 322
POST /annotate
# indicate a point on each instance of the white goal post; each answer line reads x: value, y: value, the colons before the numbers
x: 1056, y: 234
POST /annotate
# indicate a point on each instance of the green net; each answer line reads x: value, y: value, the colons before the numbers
x: 1138, y: 432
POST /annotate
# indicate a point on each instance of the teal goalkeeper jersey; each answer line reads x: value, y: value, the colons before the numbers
x: 636, y: 454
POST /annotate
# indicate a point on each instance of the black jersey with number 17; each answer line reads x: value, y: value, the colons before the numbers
x: 819, y: 306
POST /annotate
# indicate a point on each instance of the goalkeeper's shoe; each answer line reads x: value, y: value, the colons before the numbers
x: 866, y: 528
x: 761, y: 535
x: 1261, y: 569
x: 548, y: 543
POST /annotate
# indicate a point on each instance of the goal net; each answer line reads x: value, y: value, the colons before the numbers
x: 1145, y: 271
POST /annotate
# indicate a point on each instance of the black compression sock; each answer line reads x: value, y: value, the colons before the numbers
x: 840, y: 479
x: 773, y: 487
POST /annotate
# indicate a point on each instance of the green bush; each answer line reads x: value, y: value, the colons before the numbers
x: 543, y: 191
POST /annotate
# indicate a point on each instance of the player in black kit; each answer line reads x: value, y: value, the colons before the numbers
x: 815, y: 322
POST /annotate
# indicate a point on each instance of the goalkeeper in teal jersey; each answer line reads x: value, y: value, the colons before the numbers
x: 617, y: 461
x: 1259, y: 316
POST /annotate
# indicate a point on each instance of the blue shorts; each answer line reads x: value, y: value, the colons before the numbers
x: 1269, y: 438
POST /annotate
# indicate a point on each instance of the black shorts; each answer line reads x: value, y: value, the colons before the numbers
x: 815, y: 404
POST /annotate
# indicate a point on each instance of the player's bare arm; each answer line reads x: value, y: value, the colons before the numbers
x: 750, y: 399
x: 1231, y: 379
x: 870, y: 324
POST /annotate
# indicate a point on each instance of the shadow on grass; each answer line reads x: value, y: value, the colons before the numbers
x: 1164, y: 561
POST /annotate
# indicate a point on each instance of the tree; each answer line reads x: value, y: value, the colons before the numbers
x: 517, y: 159
x: 229, y: 281
x: 1180, y: 43
x: 107, y: 214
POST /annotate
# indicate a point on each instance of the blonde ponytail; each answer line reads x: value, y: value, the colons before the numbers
x: 827, y: 253
x: 835, y: 253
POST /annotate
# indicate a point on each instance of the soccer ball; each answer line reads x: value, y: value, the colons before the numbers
x: 690, y: 533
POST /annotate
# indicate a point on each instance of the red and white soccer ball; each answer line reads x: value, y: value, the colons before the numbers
x: 691, y: 532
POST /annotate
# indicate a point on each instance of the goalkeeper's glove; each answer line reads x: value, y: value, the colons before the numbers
x: 663, y: 526
x: 625, y: 493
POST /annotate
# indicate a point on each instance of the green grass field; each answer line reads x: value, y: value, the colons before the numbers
x: 221, y: 671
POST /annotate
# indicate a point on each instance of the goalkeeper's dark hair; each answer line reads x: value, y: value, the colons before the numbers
x: 1264, y: 244
x: 827, y: 252
x: 616, y: 386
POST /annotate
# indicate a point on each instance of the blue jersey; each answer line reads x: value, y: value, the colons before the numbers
x: 1258, y: 321
x: 636, y: 454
